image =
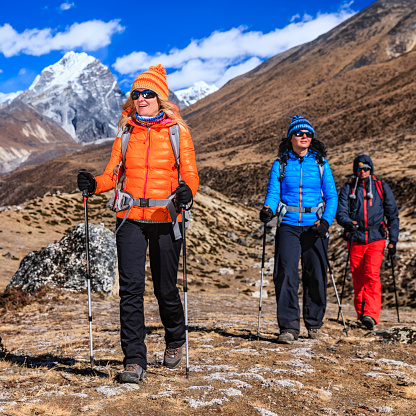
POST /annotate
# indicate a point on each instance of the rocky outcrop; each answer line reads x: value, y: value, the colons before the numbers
x: 63, y: 264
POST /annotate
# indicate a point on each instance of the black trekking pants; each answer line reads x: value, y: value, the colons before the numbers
x: 164, y: 251
x: 292, y: 243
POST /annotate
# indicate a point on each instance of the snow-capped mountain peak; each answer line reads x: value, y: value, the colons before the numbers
x: 196, y: 92
x: 66, y: 70
x: 80, y: 94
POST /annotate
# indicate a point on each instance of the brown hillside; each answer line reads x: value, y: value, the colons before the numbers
x: 28, y: 137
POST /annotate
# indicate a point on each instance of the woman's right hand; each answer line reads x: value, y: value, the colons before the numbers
x: 86, y: 182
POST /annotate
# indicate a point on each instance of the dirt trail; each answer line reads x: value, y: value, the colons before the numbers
x: 46, y: 369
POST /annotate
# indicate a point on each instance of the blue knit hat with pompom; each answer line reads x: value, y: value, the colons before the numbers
x: 299, y: 123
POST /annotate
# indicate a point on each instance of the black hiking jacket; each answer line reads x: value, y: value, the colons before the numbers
x: 374, y: 207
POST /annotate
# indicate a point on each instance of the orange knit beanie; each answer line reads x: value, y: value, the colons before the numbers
x: 154, y: 79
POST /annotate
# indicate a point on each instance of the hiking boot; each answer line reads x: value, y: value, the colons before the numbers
x: 173, y: 357
x: 314, y: 333
x: 285, y: 338
x: 368, y: 322
x: 132, y: 373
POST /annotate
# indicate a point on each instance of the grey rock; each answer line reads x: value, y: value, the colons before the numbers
x: 63, y: 264
x: 402, y: 334
x: 242, y: 241
x: 231, y: 235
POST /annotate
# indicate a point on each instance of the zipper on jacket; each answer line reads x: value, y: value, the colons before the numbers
x: 365, y: 211
x: 147, y: 168
x: 300, y: 192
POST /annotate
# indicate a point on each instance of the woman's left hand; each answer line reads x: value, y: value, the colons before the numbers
x: 183, y: 194
x: 321, y: 228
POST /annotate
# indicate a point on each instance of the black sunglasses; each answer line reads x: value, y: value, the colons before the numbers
x: 364, y: 169
x: 146, y: 94
x: 306, y: 133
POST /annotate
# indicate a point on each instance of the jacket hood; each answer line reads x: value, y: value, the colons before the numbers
x: 360, y: 160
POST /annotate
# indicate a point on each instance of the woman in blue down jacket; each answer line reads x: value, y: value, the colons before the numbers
x: 302, y: 193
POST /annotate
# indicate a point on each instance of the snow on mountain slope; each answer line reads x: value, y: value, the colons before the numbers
x: 8, y: 98
x: 195, y: 93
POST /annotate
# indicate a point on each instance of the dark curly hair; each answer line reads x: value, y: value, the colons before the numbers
x: 316, y: 147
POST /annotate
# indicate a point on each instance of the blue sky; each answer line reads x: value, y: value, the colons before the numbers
x: 211, y: 41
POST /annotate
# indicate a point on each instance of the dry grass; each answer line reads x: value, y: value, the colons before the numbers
x: 46, y: 367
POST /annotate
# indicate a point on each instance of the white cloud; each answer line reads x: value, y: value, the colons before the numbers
x: 1, y: 71
x: 224, y: 55
x: 66, y: 6
x: 87, y: 36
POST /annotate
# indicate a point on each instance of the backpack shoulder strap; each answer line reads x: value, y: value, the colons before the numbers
x: 379, y: 186
x: 125, y: 142
x: 282, y: 169
x: 174, y: 141
x: 321, y: 168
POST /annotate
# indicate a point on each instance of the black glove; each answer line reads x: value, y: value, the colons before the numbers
x: 183, y: 194
x: 86, y: 182
x: 392, y: 248
x: 320, y: 228
x: 266, y: 214
x: 352, y: 227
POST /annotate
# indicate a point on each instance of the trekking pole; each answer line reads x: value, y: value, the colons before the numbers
x: 345, y: 275
x: 394, y: 285
x: 335, y: 287
x: 87, y: 249
x: 261, y: 281
x: 185, y: 285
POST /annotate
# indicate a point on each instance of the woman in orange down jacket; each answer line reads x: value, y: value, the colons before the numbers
x: 151, y: 176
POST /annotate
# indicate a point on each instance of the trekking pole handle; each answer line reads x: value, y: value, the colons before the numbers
x: 182, y: 183
x: 85, y: 191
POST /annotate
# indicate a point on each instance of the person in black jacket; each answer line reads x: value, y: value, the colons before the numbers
x: 368, y: 212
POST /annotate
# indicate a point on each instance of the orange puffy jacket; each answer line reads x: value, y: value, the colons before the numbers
x: 150, y: 170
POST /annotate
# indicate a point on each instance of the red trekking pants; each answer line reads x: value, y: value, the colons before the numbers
x: 365, y: 261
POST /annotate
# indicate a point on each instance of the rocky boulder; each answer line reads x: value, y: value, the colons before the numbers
x: 63, y: 264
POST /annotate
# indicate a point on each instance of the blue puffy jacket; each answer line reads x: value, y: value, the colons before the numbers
x: 301, y: 187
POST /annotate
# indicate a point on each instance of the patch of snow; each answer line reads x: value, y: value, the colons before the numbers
x: 394, y: 363
x: 277, y: 350
x: 116, y: 391
x: 302, y: 352
x: 82, y: 395
x: 227, y: 376
x: 375, y: 374
x: 201, y: 388
x: 198, y: 403
x: 201, y: 368
x: 265, y: 412
x: 231, y: 392
x: 166, y: 393
x: 283, y: 383
x: 248, y: 350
